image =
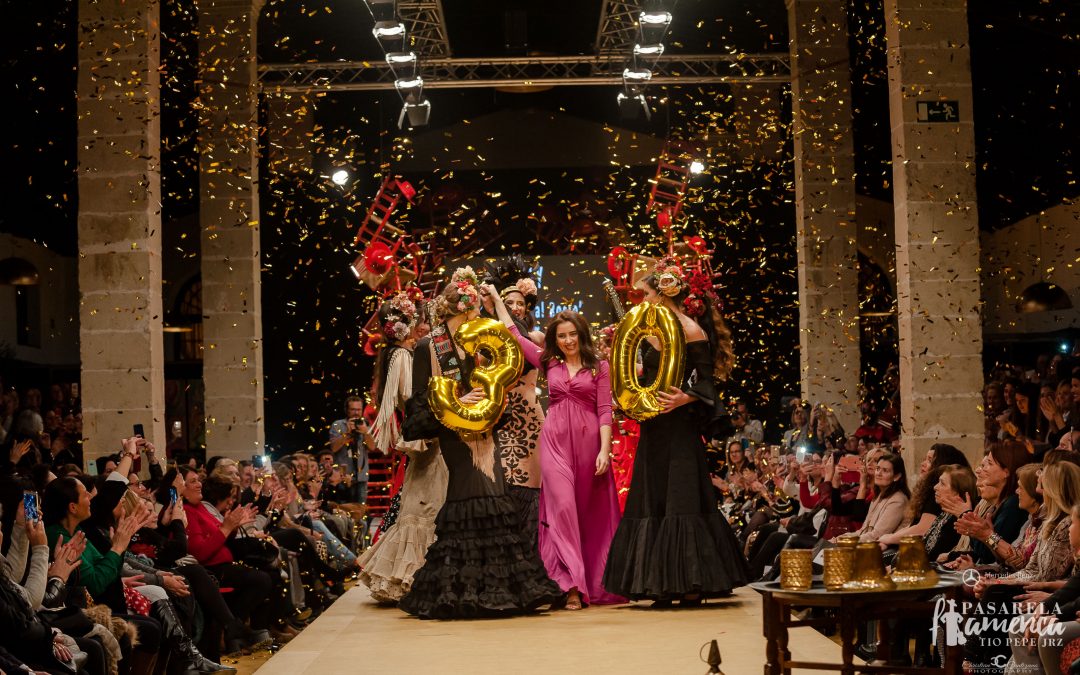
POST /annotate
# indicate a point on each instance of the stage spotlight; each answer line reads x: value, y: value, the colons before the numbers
x: 417, y: 110
x: 649, y: 50
x: 654, y: 26
x: 697, y: 166
x: 340, y: 177
x: 382, y: 10
x: 390, y: 34
x: 410, y: 89
x: 403, y: 64
x: 632, y: 105
x: 655, y: 18
x: 636, y: 75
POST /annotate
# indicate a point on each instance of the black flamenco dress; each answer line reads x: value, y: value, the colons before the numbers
x: 673, y: 540
x: 480, y: 565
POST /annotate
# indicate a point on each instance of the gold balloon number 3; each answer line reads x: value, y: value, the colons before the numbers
x: 644, y: 321
x: 505, y: 364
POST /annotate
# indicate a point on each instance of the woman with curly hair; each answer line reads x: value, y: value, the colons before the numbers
x: 481, y: 564
x: 673, y: 543
x: 389, y: 564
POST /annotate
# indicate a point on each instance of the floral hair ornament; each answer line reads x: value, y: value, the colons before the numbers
x: 701, y: 291
x: 467, y: 283
x: 669, y: 277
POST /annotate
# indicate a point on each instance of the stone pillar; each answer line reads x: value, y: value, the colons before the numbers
x: 119, y: 134
x: 825, y: 207
x: 937, y: 229
x: 229, y: 221
x: 290, y: 128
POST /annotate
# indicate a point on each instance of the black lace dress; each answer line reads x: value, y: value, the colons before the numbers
x: 673, y: 540
x: 480, y: 565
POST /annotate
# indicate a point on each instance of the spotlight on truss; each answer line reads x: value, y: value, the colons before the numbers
x: 649, y: 50
x: 390, y: 34
x: 340, y: 177
x: 632, y: 105
x: 636, y: 75
x: 403, y: 64
x: 697, y: 166
x: 653, y: 26
x: 416, y: 109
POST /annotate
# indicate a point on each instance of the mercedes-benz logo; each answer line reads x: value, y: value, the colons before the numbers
x: 970, y: 576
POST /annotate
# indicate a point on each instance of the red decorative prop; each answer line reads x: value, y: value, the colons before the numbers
x: 616, y: 264
x: 697, y: 245
x: 663, y: 219
x: 407, y: 190
x: 371, y: 344
x: 378, y: 258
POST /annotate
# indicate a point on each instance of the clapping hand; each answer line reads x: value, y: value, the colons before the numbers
x: 67, y: 557
x: 20, y: 449
x: 954, y: 505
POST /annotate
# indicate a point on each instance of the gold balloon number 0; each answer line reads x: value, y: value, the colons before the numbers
x: 644, y: 321
x: 505, y: 365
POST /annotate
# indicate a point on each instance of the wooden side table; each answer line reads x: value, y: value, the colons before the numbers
x: 852, y: 607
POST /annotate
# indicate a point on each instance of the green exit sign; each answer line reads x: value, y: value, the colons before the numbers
x: 938, y: 111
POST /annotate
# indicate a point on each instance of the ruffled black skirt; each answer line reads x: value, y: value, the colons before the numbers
x: 673, y: 556
x: 527, y: 503
x: 480, y: 565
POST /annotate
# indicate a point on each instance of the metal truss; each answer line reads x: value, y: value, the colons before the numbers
x: 618, y: 30
x: 530, y: 70
x: 425, y: 25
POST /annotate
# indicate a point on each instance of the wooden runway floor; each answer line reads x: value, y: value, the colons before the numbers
x: 357, y: 636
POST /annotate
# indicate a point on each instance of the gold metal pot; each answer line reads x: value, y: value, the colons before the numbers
x: 912, y: 568
x: 796, y: 569
x: 839, y: 565
x: 868, y: 573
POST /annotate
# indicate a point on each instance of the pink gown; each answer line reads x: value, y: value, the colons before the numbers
x: 579, y: 511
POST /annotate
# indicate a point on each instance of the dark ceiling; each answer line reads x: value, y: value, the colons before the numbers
x: 1024, y: 56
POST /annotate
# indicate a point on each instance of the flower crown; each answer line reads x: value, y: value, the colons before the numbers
x: 669, y: 277
x: 402, y: 316
x: 468, y: 289
x: 525, y: 286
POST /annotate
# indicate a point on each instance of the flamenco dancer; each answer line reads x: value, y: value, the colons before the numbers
x: 480, y: 564
x: 579, y: 509
x: 388, y: 566
x: 673, y: 543
x: 518, y: 434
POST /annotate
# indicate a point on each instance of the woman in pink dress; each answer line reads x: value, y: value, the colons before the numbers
x: 579, y: 510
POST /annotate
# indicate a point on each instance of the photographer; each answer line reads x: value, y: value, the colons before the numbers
x: 350, y: 441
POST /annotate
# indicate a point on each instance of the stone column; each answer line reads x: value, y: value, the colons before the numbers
x: 937, y: 229
x: 119, y: 220
x: 825, y: 207
x: 229, y: 220
x: 290, y: 128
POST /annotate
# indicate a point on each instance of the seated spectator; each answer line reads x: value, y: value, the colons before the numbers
x: 1038, y: 649
x: 924, y: 508
x: 999, y: 504
x: 886, y: 512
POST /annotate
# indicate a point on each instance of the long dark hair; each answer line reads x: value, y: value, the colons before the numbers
x: 1009, y: 455
x: 898, y: 470
x: 589, y: 358
x: 714, y: 327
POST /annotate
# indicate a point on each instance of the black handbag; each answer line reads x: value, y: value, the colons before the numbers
x: 253, y: 552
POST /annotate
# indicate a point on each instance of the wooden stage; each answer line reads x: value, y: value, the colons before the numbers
x: 357, y: 636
